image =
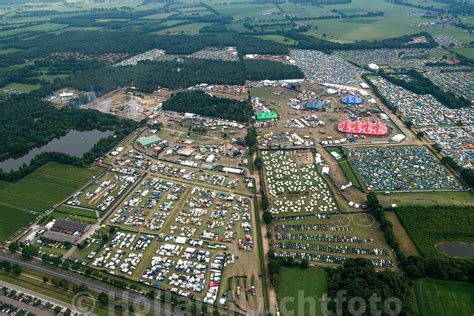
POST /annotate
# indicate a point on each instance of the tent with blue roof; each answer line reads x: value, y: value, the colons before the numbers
x: 315, y: 104
x: 352, y: 100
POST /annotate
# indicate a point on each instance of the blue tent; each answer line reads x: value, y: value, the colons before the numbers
x: 352, y: 100
x: 315, y: 104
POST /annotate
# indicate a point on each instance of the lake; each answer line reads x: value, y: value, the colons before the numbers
x: 75, y: 143
x: 456, y: 248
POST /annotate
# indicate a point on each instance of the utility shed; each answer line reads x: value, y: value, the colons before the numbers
x: 267, y: 116
x: 148, y: 140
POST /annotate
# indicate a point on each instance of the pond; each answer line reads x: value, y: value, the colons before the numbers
x: 456, y: 248
x: 75, y: 143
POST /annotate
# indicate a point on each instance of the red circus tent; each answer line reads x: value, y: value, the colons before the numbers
x: 363, y: 127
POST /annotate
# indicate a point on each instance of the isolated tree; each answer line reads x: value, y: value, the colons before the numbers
x: 13, y: 247
x: 267, y: 217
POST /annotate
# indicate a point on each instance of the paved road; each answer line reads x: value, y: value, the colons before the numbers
x: 30, y: 308
x: 96, y: 286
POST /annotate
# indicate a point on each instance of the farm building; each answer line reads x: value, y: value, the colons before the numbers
x: 267, y: 116
x: 147, y: 141
x: 65, y: 231
x: 315, y: 104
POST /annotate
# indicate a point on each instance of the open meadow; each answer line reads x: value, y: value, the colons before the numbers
x: 444, y: 298
x: 297, y: 285
x: 22, y: 201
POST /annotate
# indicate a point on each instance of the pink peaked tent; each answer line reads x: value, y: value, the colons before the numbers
x: 363, y: 127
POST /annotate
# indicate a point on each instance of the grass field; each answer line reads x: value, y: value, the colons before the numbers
x: 467, y: 52
x: 431, y: 225
x: 444, y: 298
x: 45, y: 187
x: 406, y: 244
x: 12, y: 219
x: 427, y: 198
x: 21, y: 200
x: 23, y: 87
x: 297, y: 284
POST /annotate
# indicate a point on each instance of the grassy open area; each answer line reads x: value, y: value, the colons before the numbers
x: 45, y: 187
x: 443, y: 298
x: 22, y: 87
x: 427, y: 198
x: 296, y: 285
x: 428, y: 226
x: 12, y: 219
x: 406, y: 244
x: 22, y: 201
x: 467, y: 52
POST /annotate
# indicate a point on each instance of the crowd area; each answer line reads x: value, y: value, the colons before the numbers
x: 457, y: 80
x: 319, y: 67
x: 400, y: 168
x: 450, y: 128
x: 447, y: 41
x: 410, y: 58
x: 214, y: 53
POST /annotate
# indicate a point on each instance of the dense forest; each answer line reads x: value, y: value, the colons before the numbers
x: 421, y: 85
x: 359, y: 278
x: 26, y: 121
x: 147, y: 75
x: 257, y: 70
x: 201, y: 103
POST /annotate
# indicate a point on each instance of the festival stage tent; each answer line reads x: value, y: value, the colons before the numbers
x: 267, y: 116
x: 352, y: 100
x: 359, y: 127
x: 315, y: 104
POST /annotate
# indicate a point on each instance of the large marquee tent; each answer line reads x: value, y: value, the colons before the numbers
x: 358, y: 127
x: 352, y: 100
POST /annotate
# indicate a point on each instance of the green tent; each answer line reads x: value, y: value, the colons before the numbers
x: 266, y: 116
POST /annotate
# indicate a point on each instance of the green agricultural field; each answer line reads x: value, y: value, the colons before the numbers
x: 279, y: 39
x: 467, y: 52
x: 189, y: 29
x: 22, y: 87
x: 296, y: 285
x: 45, y: 187
x: 21, y: 201
x: 397, y: 21
x: 428, y: 226
x: 12, y: 219
x: 444, y: 298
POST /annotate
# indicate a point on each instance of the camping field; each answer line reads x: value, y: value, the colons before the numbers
x: 34, y: 194
x: 297, y: 285
x: 443, y: 298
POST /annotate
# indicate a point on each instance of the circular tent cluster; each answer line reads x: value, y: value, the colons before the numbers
x: 352, y: 100
x: 363, y: 127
